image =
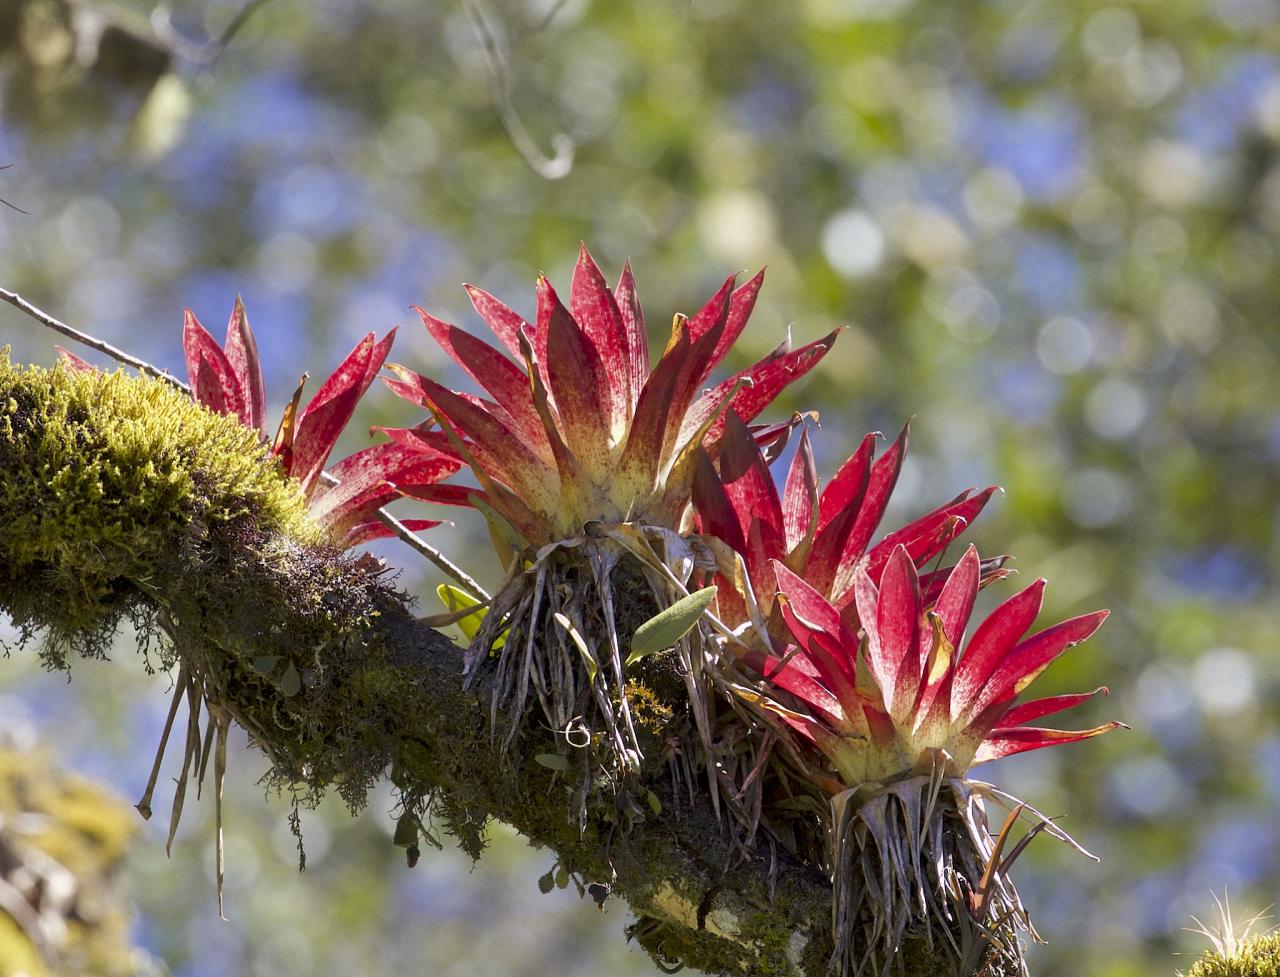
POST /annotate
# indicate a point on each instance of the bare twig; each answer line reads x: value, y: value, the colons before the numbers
x: 402, y: 532
x: 42, y: 317
x: 6, y: 203
x: 548, y: 167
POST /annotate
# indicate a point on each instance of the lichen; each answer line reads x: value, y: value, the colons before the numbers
x: 1255, y: 957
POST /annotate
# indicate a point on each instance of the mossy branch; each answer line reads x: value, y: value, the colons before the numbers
x: 124, y: 499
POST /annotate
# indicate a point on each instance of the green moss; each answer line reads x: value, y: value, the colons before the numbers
x: 1256, y: 957
x: 105, y: 473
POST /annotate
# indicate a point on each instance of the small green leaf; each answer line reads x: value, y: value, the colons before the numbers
x: 265, y: 664
x: 562, y: 877
x: 581, y: 645
x: 667, y: 627
x: 546, y: 883
x: 655, y: 805
x: 290, y: 681
x: 552, y: 761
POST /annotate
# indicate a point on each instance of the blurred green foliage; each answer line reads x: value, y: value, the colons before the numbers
x: 1050, y: 227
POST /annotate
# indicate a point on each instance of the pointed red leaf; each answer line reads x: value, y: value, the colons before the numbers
x: 508, y: 384
x: 505, y: 323
x: 741, y: 305
x: 800, y: 496
x: 1027, y: 712
x: 637, y: 334
x: 242, y: 353
x: 69, y: 359
x: 327, y: 414
x: 750, y: 488
x: 991, y: 643
x: 1031, y: 657
x: 880, y: 484
x: 364, y: 481
x: 213, y: 381
x: 839, y: 507
x: 955, y: 602
x: 1020, y: 739
x: 599, y: 318
x: 990, y: 571
x: 497, y: 451
x: 367, y: 532
x: 929, y: 535
x: 579, y: 385
x: 895, y: 639
x: 767, y: 380
x: 712, y: 504
x: 711, y: 314
x: 816, y: 627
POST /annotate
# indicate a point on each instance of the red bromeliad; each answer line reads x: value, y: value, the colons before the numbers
x: 821, y: 536
x: 585, y: 455
x: 900, y: 716
x: 580, y: 428
x: 228, y: 379
x: 887, y: 704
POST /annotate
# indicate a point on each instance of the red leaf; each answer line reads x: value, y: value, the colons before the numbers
x: 750, y: 491
x: 929, y: 535
x: 365, y: 481
x: 839, y: 509
x: 579, y: 385
x: 1031, y: 657
x: 955, y: 603
x: 767, y: 380
x: 1019, y: 739
x: 895, y: 639
x: 816, y: 626
x: 72, y: 361
x: 880, y: 483
x: 327, y: 414
x: 990, y: 644
x: 600, y: 320
x: 367, y: 532
x: 508, y: 384
x: 800, y: 497
x: 741, y: 305
x: 242, y: 353
x: 497, y: 452
x: 637, y: 335
x: 1028, y: 712
x: 713, y: 506
x: 505, y: 323
x: 213, y: 382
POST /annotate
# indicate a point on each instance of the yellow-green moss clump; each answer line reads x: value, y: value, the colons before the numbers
x: 71, y: 836
x: 1255, y: 957
x: 101, y: 474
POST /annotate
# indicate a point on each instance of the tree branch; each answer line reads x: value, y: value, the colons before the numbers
x: 319, y: 658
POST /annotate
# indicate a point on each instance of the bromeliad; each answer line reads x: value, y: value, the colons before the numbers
x: 585, y: 457
x: 898, y: 713
x: 228, y: 379
x: 823, y: 536
x: 580, y: 428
